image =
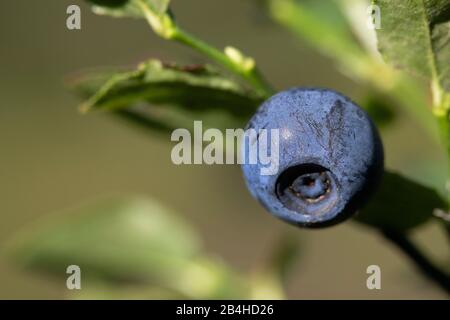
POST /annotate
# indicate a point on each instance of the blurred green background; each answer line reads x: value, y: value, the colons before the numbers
x: 53, y: 158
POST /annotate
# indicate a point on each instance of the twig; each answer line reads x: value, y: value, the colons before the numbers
x: 236, y: 62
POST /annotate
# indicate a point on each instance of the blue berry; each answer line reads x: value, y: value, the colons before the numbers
x: 330, y: 157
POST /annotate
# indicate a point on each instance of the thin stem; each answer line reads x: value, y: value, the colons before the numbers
x: 422, y: 263
x: 251, y: 75
x: 244, y: 67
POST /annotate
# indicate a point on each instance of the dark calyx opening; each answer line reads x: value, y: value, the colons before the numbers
x: 306, y: 188
x: 311, y: 187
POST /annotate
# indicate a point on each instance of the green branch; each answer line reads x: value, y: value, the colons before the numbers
x: 230, y: 58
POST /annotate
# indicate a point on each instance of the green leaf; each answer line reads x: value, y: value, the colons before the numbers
x: 132, y: 243
x: 380, y: 108
x: 329, y: 26
x: 169, y: 95
x: 400, y: 204
x: 356, y: 14
x: 128, y: 8
x: 102, y: 291
x: 415, y: 35
x: 283, y: 256
x: 156, y: 12
x: 131, y: 240
x: 323, y: 25
x: 193, y: 87
x: 110, y: 3
x: 161, y: 20
x: 269, y: 279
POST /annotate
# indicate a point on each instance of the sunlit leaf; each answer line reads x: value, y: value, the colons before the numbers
x: 131, y: 240
x: 415, y: 36
x: 169, y: 96
x: 323, y: 25
x: 134, y: 244
x: 128, y: 8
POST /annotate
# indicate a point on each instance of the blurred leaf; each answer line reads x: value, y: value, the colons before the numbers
x: 135, y: 243
x: 379, y: 108
x: 329, y: 27
x: 400, y: 204
x: 210, y: 278
x: 270, y: 278
x: 102, y: 291
x: 266, y: 286
x: 415, y: 36
x: 356, y: 14
x: 133, y: 240
x: 128, y: 8
x: 168, y: 94
x: 428, y: 171
x: 323, y: 25
x: 283, y: 256
x: 202, y: 278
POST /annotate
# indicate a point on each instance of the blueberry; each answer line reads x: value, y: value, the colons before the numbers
x: 330, y: 157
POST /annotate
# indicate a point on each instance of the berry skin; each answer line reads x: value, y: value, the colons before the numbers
x: 330, y: 157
